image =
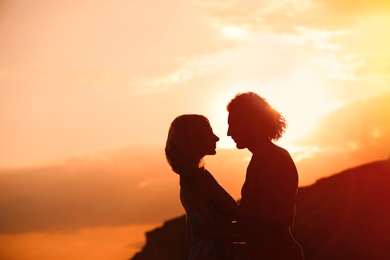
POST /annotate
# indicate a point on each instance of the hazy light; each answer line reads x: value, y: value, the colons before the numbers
x: 234, y: 32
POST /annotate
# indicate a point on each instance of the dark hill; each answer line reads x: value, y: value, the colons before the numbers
x: 344, y: 216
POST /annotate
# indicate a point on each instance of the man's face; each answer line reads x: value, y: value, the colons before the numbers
x: 238, y: 130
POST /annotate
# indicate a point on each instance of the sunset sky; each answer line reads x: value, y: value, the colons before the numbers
x: 88, y: 90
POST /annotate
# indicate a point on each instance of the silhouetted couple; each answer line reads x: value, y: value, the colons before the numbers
x: 267, y: 206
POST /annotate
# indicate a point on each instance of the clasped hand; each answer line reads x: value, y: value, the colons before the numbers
x: 216, y: 229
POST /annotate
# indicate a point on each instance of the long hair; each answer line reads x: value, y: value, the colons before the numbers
x: 255, y: 108
x: 181, y: 149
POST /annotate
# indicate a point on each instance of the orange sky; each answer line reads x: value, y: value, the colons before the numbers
x: 90, y: 84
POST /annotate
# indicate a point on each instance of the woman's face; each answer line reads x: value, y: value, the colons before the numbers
x: 207, y: 140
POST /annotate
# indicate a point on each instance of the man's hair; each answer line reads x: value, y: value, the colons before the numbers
x: 251, y: 106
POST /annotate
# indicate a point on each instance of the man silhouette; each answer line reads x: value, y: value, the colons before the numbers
x: 269, y: 191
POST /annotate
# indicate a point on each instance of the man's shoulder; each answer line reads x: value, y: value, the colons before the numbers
x: 279, y: 152
x: 280, y: 158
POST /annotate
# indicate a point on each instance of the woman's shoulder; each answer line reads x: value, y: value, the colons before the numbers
x: 195, y: 177
x: 198, y: 185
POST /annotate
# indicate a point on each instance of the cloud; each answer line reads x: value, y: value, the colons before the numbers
x: 287, y: 15
x: 352, y: 8
x: 356, y: 121
x: 84, y: 193
x: 100, y: 39
x: 85, y: 244
x: 133, y: 186
x: 356, y: 133
x: 343, y: 39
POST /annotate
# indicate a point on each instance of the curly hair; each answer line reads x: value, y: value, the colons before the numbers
x: 181, y: 149
x: 255, y: 108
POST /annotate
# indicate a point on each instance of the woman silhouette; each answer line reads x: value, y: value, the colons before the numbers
x: 190, y: 139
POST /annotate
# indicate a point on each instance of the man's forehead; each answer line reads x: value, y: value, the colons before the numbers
x: 233, y: 117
